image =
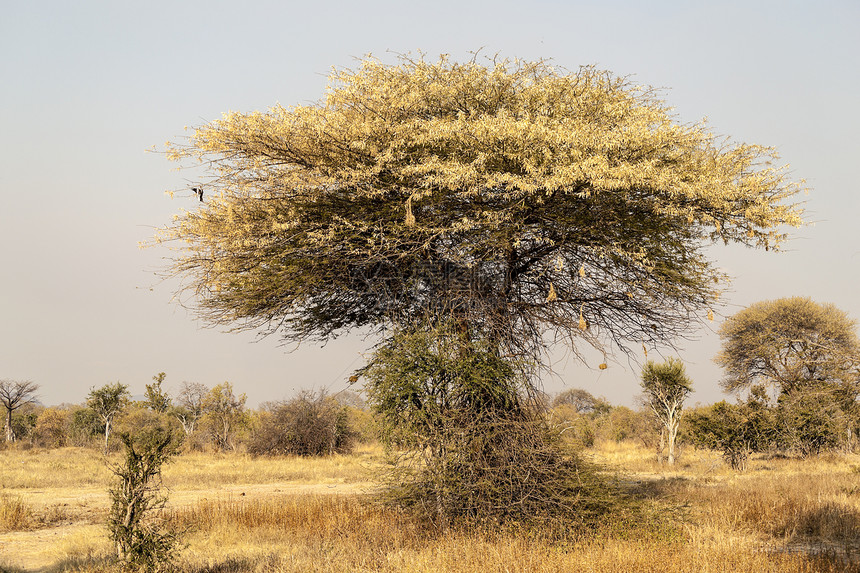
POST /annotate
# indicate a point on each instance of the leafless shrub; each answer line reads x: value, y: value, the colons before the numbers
x: 311, y: 424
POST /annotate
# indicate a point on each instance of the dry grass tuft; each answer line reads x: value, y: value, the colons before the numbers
x: 15, y: 515
x: 88, y: 544
x: 301, y: 517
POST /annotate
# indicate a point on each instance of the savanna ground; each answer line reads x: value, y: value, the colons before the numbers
x: 294, y: 514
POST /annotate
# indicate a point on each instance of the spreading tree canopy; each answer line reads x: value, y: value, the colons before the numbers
x: 519, y: 199
x: 790, y: 343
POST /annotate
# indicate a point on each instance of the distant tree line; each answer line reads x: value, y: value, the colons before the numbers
x: 213, y: 419
x: 315, y: 423
x: 793, y: 364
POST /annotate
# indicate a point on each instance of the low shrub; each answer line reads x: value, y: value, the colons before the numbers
x: 311, y: 424
x: 141, y: 538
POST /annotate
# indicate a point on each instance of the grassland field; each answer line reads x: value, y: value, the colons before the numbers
x: 320, y: 514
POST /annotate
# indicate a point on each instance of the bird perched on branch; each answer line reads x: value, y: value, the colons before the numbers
x: 198, y: 191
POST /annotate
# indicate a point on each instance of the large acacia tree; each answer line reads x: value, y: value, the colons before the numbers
x: 524, y: 202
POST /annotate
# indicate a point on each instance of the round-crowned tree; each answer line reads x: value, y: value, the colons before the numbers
x: 789, y: 344
x: 809, y: 355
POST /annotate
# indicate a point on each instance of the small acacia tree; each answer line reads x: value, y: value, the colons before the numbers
x: 189, y: 406
x: 157, y: 399
x: 137, y: 499
x: 107, y: 402
x: 13, y: 395
x: 310, y: 424
x: 225, y: 411
x: 737, y: 430
x: 813, y: 420
x: 581, y: 414
x: 52, y: 428
x: 666, y: 386
x: 582, y: 402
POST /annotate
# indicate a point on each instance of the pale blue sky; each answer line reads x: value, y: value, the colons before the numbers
x: 88, y: 86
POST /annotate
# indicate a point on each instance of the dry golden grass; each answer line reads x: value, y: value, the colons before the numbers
x: 329, y: 533
x: 57, y: 468
x: 15, y: 515
x: 212, y: 470
x: 781, y: 515
x: 823, y: 505
x: 631, y: 457
x: 83, y: 467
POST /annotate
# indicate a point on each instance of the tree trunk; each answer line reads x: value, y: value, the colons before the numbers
x: 672, y: 431
x: 225, y: 434
x: 107, y: 434
x: 10, y: 435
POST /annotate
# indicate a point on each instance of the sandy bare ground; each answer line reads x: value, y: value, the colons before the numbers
x: 77, y: 517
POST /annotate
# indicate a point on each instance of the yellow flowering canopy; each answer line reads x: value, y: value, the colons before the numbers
x: 521, y: 200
